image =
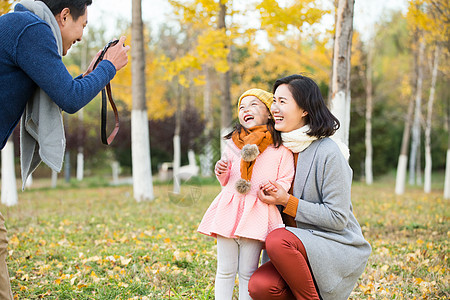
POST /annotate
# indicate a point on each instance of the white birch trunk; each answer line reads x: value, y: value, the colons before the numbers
x: 80, y: 165
x: 340, y: 89
x: 9, y: 187
x: 54, y: 179
x: 369, y: 99
x: 428, y: 161
x: 176, y: 163
x: 403, y: 157
x: 369, y: 152
x: 339, y: 110
x: 447, y: 176
x: 206, y: 162
x: 140, y: 139
x: 401, y: 174
x: 80, y: 155
x: 115, y: 167
x: 140, y: 151
x: 415, y: 142
x: 225, y: 104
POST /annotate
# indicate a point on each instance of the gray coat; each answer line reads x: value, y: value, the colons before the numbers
x: 336, y: 248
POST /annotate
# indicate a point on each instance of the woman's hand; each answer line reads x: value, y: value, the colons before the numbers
x: 221, y: 167
x: 273, y: 193
x: 117, y: 54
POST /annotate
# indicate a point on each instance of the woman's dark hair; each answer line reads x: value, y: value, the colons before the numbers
x: 306, y: 93
x: 77, y: 7
x: 276, y: 135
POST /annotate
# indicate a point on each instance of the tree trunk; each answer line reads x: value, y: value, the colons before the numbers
x: 226, y: 114
x: 403, y: 157
x: 428, y: 161
x: 207, y: 157
x: 447, y: 162
x: 80, y: 155
x: 80, y: 164
x: 140, y: 141
x: 67, y: 165
x: 447, y: 171
x: 177, y: 144
x: 415, y: 143
x: 340, y: 88
x: 115, y: 167
x: 9, y: 186
x: 54, y: 179
x: 368, y: 137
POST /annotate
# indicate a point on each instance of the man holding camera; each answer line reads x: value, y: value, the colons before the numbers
x: 34, y: 38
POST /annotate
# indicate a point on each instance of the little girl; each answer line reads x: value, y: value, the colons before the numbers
x: 236, y: 217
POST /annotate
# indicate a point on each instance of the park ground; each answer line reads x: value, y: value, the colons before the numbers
x: 93, y: 241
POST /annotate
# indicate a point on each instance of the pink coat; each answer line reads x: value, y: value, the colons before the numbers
x: 232, y: 214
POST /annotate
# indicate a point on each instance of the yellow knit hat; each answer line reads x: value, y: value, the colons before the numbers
x: 265, y: 97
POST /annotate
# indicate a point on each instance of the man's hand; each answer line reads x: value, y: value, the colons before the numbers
x: 117, y: 54
x: 273, y: 193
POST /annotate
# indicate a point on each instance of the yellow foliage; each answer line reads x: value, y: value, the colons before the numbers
x: 74, y: 70
x: 431, y: 17
x: 211, y: 49
x: 157, y: 105
x: 284, y: 59
x: 277, y: 19
x: 6, y: 6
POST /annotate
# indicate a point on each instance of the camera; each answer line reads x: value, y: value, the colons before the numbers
x: 100, y: 58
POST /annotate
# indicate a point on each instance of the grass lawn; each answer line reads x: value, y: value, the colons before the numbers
x: 90, y: 242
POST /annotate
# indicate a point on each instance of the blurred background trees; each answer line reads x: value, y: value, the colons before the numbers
x: 210, y: 51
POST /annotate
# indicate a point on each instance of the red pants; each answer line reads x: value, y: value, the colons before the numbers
x: 287, y: 274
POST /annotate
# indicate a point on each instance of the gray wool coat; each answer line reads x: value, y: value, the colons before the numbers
x: 336, y: 249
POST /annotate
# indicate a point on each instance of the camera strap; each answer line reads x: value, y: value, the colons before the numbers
x: 104, y: 113
x: 106, y: 93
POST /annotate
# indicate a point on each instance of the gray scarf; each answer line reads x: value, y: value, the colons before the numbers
x: 42, y: 132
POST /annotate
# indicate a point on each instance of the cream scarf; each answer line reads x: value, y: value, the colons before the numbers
x: 298, y: 140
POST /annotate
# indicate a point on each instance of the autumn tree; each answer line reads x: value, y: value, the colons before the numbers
x: 435, y: 22
x: 142, y: 172
x: 340, y: 82
x: 296, y: 44
x: 225, y: 103
x: 414, y: 158
x: 428, y: 160
x: 208, y: 52
x: 369, y: 109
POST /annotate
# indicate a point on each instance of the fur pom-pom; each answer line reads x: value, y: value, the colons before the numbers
x: 243, y: 186
x: 249, y: 152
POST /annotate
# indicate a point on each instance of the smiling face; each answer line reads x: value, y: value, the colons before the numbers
x: 287, y: 114
x: 252, y: 112
x: 71, y: 30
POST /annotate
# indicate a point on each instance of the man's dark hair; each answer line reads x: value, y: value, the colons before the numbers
x: 77, y: 7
